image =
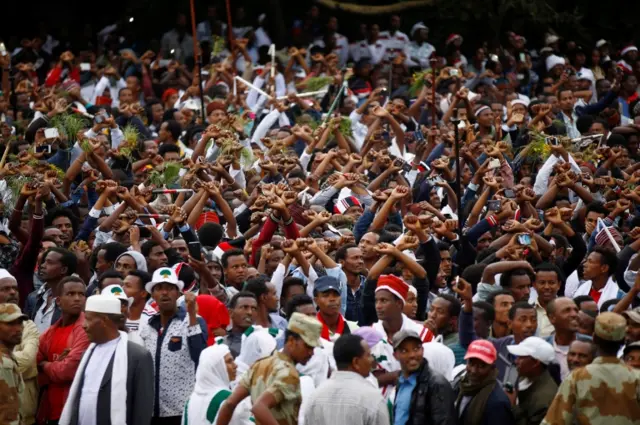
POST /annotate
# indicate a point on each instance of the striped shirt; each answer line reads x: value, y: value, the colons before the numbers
x: 346, y: 398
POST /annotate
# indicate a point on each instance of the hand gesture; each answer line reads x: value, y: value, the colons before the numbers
x: 399, y: 192
x: 463, y: 289
x: 134, y: 235
x: 412, y: 223
x: 552, y: 215
x: 385, y: 249
x: 408, y: 242
x: 290, y: 247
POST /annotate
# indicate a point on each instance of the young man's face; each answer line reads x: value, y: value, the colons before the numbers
x: 409, y: 354
x: 567, y: 100
x: 166, y: 296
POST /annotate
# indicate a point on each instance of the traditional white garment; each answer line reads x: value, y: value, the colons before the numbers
x: 211, y: 389
x: 320, y: 364
x: 256, y: 346
x: 440, y: 358
x: 611, y: 291
x: 118, y: 382
x: 93, y: 376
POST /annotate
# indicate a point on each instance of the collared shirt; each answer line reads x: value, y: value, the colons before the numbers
x: 403, y: 398
x: 545, y: 328
x: 234, y: 341
x: 346, y: 398
x: 44, y: 315
x: 561, y: 357
x: 570, y: 124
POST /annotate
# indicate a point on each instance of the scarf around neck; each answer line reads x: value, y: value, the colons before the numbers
x: 325, y: 329
x: 480, y: 391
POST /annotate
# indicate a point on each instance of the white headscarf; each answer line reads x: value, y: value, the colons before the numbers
x: 211, y: 378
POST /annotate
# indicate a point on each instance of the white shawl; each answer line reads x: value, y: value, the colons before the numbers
x: 118, y: 384
x: 609, y: 292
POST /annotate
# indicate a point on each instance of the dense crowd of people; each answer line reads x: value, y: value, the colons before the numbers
x: 330, y: 232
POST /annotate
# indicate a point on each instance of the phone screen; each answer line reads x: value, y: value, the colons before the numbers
x: 509, y: 193
x: 195, y: 250
x: 524, y: 240
x: 51, y: 133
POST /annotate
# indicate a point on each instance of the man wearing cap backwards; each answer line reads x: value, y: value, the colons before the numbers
x: 481, y: 400
x: 605, y: 392
x: 535, y: 389
x: 326, y: 295
x: 11, y: 385
x: 423, y: 396
x: 273, y: 382
x: 25, y: 352
x: 175, y: 338
x: 114, y: 382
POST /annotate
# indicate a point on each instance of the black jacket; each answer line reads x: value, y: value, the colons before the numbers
x: 140, y: 389
x: 432, y: 400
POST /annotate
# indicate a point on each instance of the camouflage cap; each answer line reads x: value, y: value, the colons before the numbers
x: 307, y: 327
x: 10, y: 312
x: 610, y: 326
x: 632, y: 315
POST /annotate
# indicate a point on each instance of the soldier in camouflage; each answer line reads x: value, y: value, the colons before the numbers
x: 604, y: 392
x: 273, y: 383
x: 11, y: 385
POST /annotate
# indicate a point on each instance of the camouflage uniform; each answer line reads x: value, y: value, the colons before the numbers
x: 11, y: 385
x: 278, y: 374
x: 606, y: 392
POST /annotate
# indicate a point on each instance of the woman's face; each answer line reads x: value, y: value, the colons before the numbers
x: 231, y: 367
x: 215, y: 269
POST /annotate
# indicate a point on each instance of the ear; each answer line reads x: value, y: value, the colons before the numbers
x: 395, y: 355
x: 57, y: 301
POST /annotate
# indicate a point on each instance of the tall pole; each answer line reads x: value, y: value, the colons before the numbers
x: 433, y: 92
x: 229, y: 27
x: 456, y: 145
x: 197, y: 55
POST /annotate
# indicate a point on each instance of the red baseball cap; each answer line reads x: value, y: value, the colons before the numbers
x: 483, y: 350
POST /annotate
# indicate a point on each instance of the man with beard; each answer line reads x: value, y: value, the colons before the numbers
x: 481, y: 399
x: 273, y: 383
x: 57, y: 263
x: 563, y: 314
x: 243, y: 308
x: 175, y: 338
x: 523, y: 322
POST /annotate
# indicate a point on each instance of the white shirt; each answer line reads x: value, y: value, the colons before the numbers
x: 44, y: 315
x: 93, y: 375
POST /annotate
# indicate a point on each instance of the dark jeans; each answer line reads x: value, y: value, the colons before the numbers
x: 170, y: 420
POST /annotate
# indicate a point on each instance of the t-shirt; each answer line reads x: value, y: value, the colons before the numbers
x: 56, y: 392
x: 276, y: 374
x: 93, y: 375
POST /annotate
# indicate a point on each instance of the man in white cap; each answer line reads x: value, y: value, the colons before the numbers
x: 419, y: 51
x: 175, y: 338
x: 114, y: 382
x: 536, y: 387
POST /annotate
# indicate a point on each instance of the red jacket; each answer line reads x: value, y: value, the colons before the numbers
x: 60, y: 372
x: 53, y: 77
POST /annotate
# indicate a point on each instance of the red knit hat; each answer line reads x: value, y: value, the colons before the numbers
x: 393, y: 284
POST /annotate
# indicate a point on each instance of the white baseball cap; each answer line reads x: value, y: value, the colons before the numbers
x: 106, y: 304
x: 535, y: 347
x: 118, y: 292
x: 164, y: 275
